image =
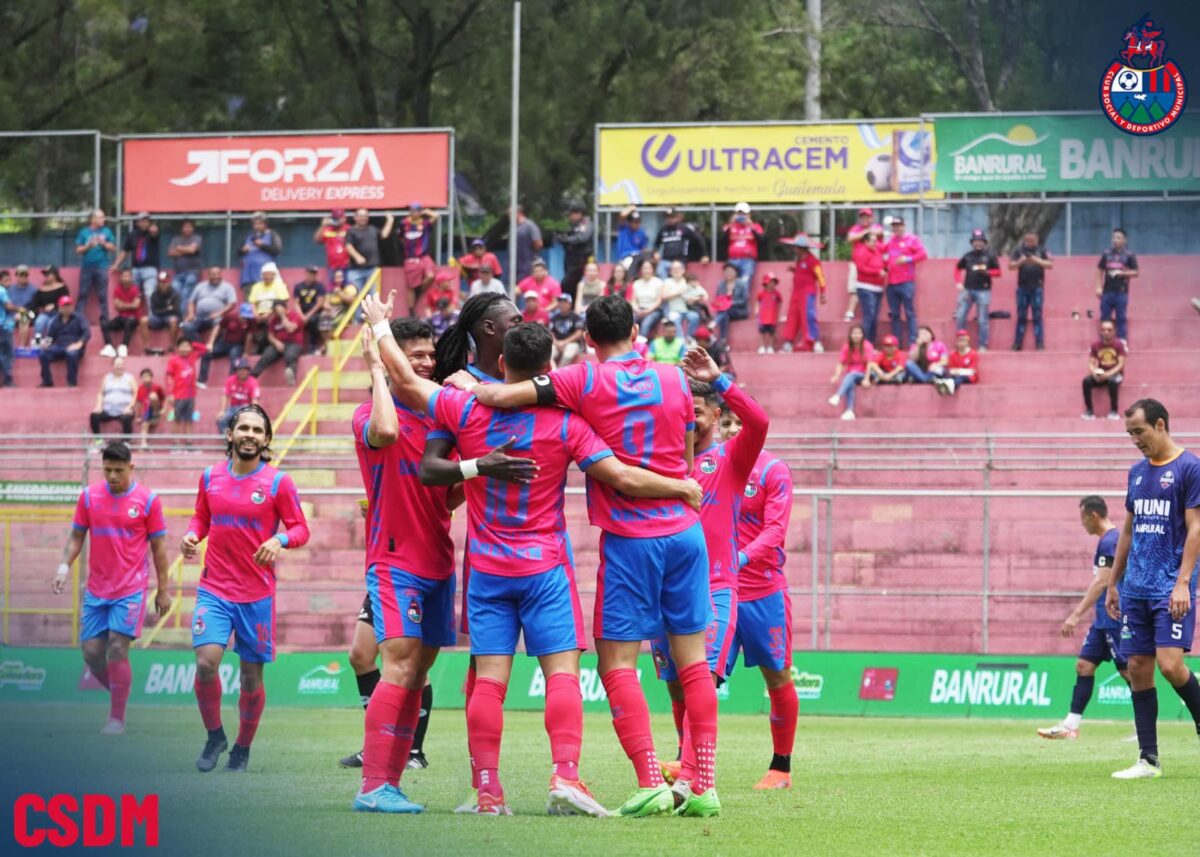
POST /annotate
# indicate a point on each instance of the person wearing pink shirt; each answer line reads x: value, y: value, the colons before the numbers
x: 241, y: 389
x: 902, y: 253
x: 927, y: 358
x: 540, y: 281
x: 856, y: 356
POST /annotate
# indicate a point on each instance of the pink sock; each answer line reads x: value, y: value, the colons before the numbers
x: 485, y: 724
x: 631, y: 720
x: 379, y: 733
x: 700, y: 698
x: 208, y: 697
x: 120, y: 680
x: 250, y: 709
x: 564, y: 723
x: 406, y: 729
x: 785, y: 706
x: 677, y: 712
x: 687, y: 753
x: 468, y: 689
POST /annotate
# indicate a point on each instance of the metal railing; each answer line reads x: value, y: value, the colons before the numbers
x: 347, y: 350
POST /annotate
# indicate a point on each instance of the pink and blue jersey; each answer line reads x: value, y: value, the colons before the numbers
x: 723, y: 471
x: 762, y: 528
x: 408, y: 525
x: 120, y: 527
x: 517, y: 530
x: 237, y: 514
x: 643, y: 411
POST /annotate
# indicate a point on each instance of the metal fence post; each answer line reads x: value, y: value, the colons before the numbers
x: 987, y: 526
x: 828, y: 568
x: 816, y: 569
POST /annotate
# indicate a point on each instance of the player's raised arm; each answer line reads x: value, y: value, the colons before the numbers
x: 408, y: 386
x: 748, y: 443
x: 383, y: 427
x: 1112, y: 603
x: 502, y: 396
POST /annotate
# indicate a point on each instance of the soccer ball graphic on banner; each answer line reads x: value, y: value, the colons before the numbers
x: 879, y: 171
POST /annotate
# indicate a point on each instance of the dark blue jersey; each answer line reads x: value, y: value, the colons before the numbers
x: 1106, y: 551
x: 1157, y: 497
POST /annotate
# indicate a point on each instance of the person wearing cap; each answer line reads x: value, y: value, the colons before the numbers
x: 130, y: 309
x: 540, y: 281
x: 855, y: 234
x: 211, y: 300
x: 808, y: 286
x: 529, y: 243
x: 1031, y: 261
x: 21, y: 293
x: 486, y: 283
x: 65, y: 339
x: 445, y: 285
x: 887, y: 366
x: 185, y: 253
x: 164, y: 310
x: 416, y: 239
x: 902, y: 253
x: 478, y: 256
x: 678, y: 241
x: 94, y: 245
x: 973, y: 275
x: 261, y: 246
x: 632, y: 239
x: 310, y: 303
x: 268, y: 291
x: 115, y: 400
x: 870, y: 276
x: 227, y: 339
x: 577, y: 244
x: 46, y: 301
x: 742, y: 235
x: 531, y: 309
x: 961, y: 368
x: 285, y: 340
x: 141, y: 249
x: 241, y: 389
x: 566, y: 329
x: 331, y: 234
x: 769, y: 299
x: 444, y: 315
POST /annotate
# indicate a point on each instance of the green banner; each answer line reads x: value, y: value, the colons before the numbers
x: 829, y: 683
x: 990, y: 153
x: 41, y: 493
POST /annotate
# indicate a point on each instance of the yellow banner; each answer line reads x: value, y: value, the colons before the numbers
x: 664, y: 165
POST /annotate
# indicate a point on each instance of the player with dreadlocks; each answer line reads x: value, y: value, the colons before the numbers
x: 239, y: 508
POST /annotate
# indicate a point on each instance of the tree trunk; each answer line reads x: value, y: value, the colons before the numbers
x: 812, y: 92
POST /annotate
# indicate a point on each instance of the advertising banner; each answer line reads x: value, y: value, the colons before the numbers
x: 990, y: 153
x: 40, y: 493
x: 286, y: 173
x: 757, y: 163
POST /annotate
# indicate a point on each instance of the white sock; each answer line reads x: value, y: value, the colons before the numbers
x: 1072, y: 721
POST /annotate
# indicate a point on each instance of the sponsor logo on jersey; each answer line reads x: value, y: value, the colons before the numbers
x: 321, y: 680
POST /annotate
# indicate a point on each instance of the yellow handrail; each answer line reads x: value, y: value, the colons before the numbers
x: 309, y: 378
x: 340, y: 361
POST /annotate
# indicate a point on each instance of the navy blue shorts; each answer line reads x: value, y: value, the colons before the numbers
x: 1148, y: 626
x: 1103, y: 644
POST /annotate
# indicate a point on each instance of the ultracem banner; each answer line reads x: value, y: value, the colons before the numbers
x: 998, y: 153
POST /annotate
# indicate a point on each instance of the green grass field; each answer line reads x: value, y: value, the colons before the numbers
x: 860, y: 787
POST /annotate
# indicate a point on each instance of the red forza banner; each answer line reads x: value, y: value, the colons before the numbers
x: 286, y: 173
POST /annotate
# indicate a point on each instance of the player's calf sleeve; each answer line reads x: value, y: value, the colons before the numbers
x: 120, y: 680
x: 700, y: 697
x: 208, y: 697
x: 405, y: 727
x: 1189, y: 692
x: 785, y: 707
x: 366, y: 685
x: 250, y: 709
x: 418, y: 743
x: 485, y: 725
x: 379, y: 733
x: 1145, y: 720
x: 1082, y: 694
x: 564, y: 723
x: 631, y: 721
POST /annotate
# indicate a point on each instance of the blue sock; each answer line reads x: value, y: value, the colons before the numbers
x: 1189, y: 692
x: 1082, y: 694
x: 1145, y: 719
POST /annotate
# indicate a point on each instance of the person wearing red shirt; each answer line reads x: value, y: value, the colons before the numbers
x: 285, y: 339
x: 533, y: 311
x: 769, y: 301
x: 240, y: 390
x: 443, y: 287
x: 127, y: 300
x: 181, y: 385
x: 887, y: 366
x: 332, y: 234
x: 808, y: 282
x: 854, y: 236
x: 962, y: 368
x: 479, y: 256
x: 870, y: 272
x: 227, y: 339
x: 148, y: 405
x: 742, y: 233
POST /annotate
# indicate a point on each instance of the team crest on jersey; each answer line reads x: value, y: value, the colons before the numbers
x: 660, y: 659
x: 414, y: 610
x: 708, y: 465
x: 1142, y: 91
x: 258, y: 497
x: 132, y: 511
x: 751, y: 489
x: 1137, y: 481
x: 1167, y: 480
x: 198, y: 626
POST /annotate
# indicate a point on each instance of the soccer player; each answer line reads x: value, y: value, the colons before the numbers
x: 239, y: 507
x: 654, y: 565
x: 722, y: 469
x: 122, y: 516
x: 1103, y: 641
x: 764, y: 627
x: 1155, y: 568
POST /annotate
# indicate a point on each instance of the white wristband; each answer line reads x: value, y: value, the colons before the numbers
x: 469, y: 468
x: 63, y: 570
x: 381, y: 329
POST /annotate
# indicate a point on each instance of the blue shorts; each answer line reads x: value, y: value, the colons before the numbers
x: 764, y: 633
x: 408, y: 605
x: 121, y: 615
x: 1148, y: 626
x: 252, y: 624
x: 1103, y: 644
x: 718, y: 638
x: 544, y: 607
x: 648, y: 586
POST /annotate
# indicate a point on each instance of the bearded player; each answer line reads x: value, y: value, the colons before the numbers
x: 239, y: 508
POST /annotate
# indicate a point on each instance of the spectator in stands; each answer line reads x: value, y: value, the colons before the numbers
x: 21, y: 293
x: 742, y: 234
x: 620, y: 281
x: 185, y: 253
x: 268, y: 292
x: 717, y: 350
x: 416, y: 233
x: 130, y: 309
x: 67, y: 336
x: 141, y: 249
x: 479, y: 255
x: 115, y: 400
x: 973, y: 275
x: 182, y: 384
x: 94, y: 245
x: 241, y: 389
x: 577, y: 243
x: 540, y: 281
x: 1030, y: 260
x: 566, y: 327
x: 1106, y: 368
x: 8, y: 317
x: 331, y: 233
x: 927, y: 358
x: 696, y: 297
x: 1117, y: 266
x: 445, y: 285
x: 211, y: 301
x: 310, y: 303
x: 769, y: 301
x: 731, y: 302
x: 854, y: 236
x: 902, y: 253
x: 445, y: 316
x: 285, y: 339
x: 674, y: 296
x: 887, y: 366
x: 808, y: 286
x: 149, y: 401
x: 164, y: 309
x: 47, y: 301
x: 678, y: 241
x: 645, y: 294
x: 228, y: 339
x: 870, y: 276
x: 590, y: 287
x: 632, y: 240
x: 362, y: 243
x: 668, y: 347
x: 487, y: 283
x: 338, y: 299
x: 856, y: 356
x: 962, y: 366
x: 529, y: 244
x: 260, y: 248
x: 532, y: 312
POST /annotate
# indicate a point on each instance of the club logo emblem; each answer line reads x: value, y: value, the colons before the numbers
x: 1142, y: 91
x: 258, y: 497
x: 708, y: 465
